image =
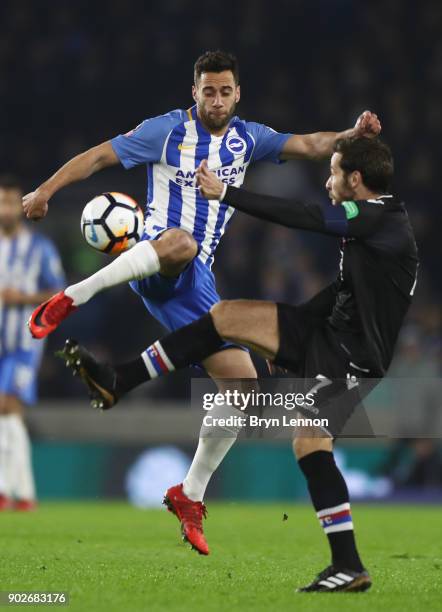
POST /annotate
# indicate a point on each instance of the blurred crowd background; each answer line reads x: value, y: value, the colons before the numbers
x: 77, y: 73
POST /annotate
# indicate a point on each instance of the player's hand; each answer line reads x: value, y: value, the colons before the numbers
x: 35, y: 204
x: 210, y: 186
x: 367, y: 125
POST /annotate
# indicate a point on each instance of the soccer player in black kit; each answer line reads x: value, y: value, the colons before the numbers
x: 342, y: 337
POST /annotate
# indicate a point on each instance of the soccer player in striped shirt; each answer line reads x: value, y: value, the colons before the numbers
x: 30, y: 271
x: 171, y: 267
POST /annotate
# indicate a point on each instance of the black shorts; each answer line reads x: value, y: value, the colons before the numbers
x: 315, y: 352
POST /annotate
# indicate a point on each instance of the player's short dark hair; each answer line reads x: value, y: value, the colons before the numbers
x: 10, y: 181
x: 371, y: 157
x: 216, y: 61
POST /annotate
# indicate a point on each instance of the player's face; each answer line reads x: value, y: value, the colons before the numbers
x: 10, y: 209
x: 339, y: 185
x: 216, y: 95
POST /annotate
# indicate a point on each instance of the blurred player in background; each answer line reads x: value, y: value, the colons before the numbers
x: 30, y: 271
x: 171, y: 267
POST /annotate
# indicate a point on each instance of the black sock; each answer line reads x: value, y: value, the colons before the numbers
x: 187, y: 345
x: 330, y: 498
x: 130, y: 375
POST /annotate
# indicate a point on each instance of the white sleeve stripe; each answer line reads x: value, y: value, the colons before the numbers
x: 327, y: 511
x: 149, y: 366
x: 340, y: 527
x: 254, y: 145
x: 164, y: 357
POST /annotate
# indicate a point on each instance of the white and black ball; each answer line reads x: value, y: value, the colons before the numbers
x: 112, y: 222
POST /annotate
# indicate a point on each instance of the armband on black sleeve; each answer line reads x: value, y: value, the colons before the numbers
x: 363, y: 217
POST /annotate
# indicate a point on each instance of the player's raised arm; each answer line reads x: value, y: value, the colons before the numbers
x: 320, y: 145
x: 290, y: 213
x: 278, y: 210
x: 349, y: 215
x: 35, y: 204
x: 350, y: 218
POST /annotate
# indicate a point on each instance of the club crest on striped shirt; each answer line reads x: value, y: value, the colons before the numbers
x: 235, y: 144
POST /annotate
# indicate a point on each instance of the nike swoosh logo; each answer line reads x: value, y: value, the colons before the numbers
x: 182, y: 147
x: 93, y: 235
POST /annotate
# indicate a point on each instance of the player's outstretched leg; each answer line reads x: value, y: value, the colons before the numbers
x: 170, y: 254
x: 330, y: 498
x: 192, y: 343
x: 106, y: 384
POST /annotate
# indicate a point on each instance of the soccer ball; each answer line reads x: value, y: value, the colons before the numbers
x: 112, y: 222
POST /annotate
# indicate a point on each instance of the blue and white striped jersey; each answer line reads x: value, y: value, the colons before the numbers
x: 172, y: 146
x: 30, y: 263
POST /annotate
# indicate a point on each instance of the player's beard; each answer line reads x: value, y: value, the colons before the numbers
x: 345, y: 192
x: 212, y: 122
x: 9, y: 225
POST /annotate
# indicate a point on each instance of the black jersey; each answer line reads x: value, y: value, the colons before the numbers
x: 378, y: 265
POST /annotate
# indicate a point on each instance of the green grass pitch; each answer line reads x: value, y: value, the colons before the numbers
x: 109, y: 556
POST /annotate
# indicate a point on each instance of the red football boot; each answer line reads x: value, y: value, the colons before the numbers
x: 5, y: 502
x: 190, y: 514
x: 48, y: 316
x: 25, y: 505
